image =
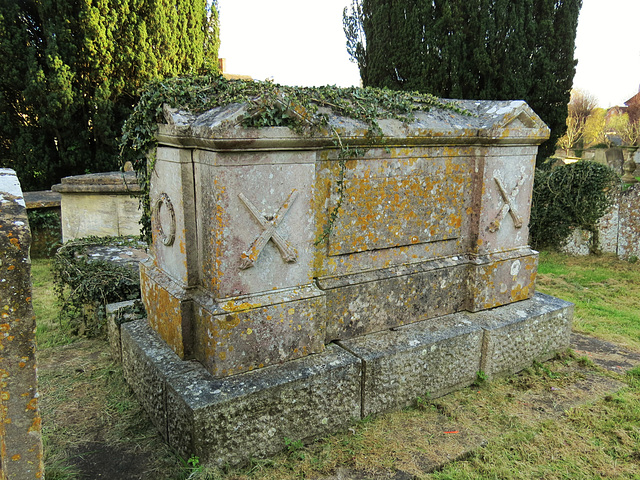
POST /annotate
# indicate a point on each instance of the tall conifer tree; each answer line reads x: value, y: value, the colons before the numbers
x: 472, y: 49
x: 71, y: 70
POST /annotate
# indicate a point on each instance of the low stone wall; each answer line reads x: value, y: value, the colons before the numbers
x: 618, y: 229
x: 99, y: 204
x: 20, y: 424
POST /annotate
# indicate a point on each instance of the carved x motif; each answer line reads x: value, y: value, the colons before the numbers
x: 508, y: 206
x: 269, y: 225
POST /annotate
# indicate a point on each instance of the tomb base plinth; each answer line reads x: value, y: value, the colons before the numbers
x: 249, y: 415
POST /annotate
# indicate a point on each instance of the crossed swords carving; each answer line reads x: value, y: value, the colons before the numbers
x: 269, y: 225
x: 508, y: 206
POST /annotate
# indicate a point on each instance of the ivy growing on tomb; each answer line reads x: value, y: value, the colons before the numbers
x: 303, y: 109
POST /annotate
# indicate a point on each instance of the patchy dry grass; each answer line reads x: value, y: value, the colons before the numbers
x: 604, y: 289
x: 558, y: 420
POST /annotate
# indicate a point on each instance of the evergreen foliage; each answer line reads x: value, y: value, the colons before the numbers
x: 471, y: 49
x: 569, y: 197
x: 72, y: 69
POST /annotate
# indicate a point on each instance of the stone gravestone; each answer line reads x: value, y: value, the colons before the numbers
x: 20, y: 425
x: 424, y: 278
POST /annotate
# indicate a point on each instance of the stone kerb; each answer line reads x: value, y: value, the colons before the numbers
x: 99, y: 204
x: 20, y: 424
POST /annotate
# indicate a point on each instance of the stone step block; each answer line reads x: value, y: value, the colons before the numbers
x: 250, y: 415
x: 523, y: 332
x: 149, y: 366
x: 432, y: 357
x: 230, y: 420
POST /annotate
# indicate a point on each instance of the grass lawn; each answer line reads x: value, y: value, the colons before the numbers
x: 89, y: 413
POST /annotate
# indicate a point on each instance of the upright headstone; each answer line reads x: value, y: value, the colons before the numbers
x: 20, y: 424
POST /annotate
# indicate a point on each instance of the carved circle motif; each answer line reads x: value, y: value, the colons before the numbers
x: 166, y: 238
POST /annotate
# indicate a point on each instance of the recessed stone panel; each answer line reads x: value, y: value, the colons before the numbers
x: 395, y: 202
x: 383, y: 299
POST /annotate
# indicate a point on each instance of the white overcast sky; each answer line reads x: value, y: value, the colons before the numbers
x: 301, y: 42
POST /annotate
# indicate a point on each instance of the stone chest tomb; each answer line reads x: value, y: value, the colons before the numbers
x: 290, y: 291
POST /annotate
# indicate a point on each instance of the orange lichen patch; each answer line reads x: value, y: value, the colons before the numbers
x: 15, y: 242
x: 164, y: 313
x: 36, y: 425
x: 239, y: 307
x: 11, y: 267
x: 32, y: 405
x: 16, y: 457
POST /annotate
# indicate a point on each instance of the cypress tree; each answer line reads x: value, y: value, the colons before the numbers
x: 471, y: 49
x: 73, y: 69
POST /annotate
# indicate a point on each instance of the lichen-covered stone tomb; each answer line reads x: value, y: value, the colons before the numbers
x: 289, y: 292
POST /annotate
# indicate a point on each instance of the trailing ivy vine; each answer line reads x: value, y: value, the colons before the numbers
x: 270, y: 105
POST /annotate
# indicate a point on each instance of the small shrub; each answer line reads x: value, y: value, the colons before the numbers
x: 569, y: 197
x: 85, y: 286
x: 481, y: 378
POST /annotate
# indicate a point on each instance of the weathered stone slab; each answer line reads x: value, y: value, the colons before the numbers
x: 432, y: 357
x: 173, y: 228
x: 629, y: 227
x: 20, y: 422
x: 249, y: 415
x: 260, y: 223
x: 169, y: 308
x: 398, y: 201
x: 502, y: 278
x: 521, y: 332
x: 117, y: 314
x: 42, y: 199
x: 242, y: 334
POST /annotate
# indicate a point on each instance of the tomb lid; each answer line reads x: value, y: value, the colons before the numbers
x: 42, y: 199
x: 486, y: 122
x: 108, y: 182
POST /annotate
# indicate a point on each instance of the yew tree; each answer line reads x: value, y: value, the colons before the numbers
x: 71, y: 70
x: 471, y: 49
